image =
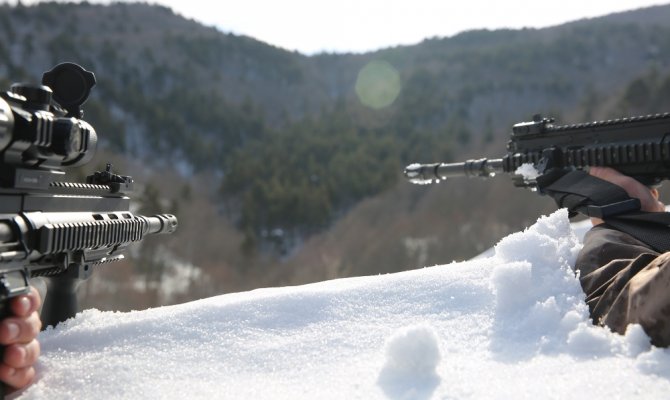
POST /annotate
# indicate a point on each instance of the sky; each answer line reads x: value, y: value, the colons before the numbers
x: 310, y: 26
x: 513, y: 325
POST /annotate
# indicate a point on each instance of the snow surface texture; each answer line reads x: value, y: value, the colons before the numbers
x: 510, y: 326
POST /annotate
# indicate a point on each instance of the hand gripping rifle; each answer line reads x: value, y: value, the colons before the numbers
x: 50, y: 228
x: 552, y: 159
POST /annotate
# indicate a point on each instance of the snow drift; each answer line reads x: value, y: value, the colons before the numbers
x: 512, y: 325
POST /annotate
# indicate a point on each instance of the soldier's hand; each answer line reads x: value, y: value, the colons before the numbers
x: 18, y: 333
x: 648, y: 197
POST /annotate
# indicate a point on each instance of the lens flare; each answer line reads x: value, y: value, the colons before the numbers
x: 378, y: 84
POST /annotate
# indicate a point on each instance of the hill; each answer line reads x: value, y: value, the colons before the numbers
x: 287, y: 168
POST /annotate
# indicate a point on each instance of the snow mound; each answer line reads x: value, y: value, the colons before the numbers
x: 538, y: 299
x: 412, y: 356
x: 512, y: 325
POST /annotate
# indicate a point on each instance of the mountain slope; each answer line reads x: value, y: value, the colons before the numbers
x: 285, y: 158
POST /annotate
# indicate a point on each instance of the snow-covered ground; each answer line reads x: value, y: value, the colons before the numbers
x: 510, y: 326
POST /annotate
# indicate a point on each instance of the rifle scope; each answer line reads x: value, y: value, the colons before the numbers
x: 40, y: 125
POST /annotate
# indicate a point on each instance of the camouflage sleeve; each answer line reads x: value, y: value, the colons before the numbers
x: 625, y: 282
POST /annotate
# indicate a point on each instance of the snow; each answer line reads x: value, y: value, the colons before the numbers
x: 527, y: 171
x: 509, y: 326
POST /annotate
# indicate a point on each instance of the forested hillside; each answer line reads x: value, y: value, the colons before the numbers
x: 286, y: 168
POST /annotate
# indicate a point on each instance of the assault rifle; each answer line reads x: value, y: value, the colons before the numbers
x: 539, y: 151
x: 50, y: 228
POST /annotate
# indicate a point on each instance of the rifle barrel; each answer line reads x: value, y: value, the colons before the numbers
x: 429, y: 173
x: 162, y: 223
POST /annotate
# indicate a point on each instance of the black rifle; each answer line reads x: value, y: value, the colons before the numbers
x: 50, y: 228
x: 638, y: 147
